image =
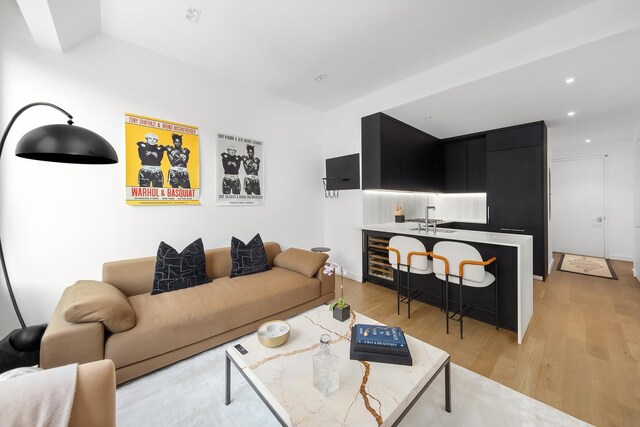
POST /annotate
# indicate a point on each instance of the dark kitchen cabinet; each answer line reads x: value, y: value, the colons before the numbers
x: 527, y: 135
x: 455, y: 167
x: 476, y: 165
x: 516, y: 182
x: 514, y: 187
x: 396, y: 156
x: 465, y: 165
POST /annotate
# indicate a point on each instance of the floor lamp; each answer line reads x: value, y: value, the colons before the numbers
x: 52, y: 143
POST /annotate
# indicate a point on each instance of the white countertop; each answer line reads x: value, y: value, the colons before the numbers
x: 504, y: 239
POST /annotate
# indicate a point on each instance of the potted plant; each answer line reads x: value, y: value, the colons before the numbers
x: 340, y: 308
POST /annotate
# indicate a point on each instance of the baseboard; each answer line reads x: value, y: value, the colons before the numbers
x: 551, y: 264
x: 538, y: 278
x: 621, y: 258
x: 354, y: 277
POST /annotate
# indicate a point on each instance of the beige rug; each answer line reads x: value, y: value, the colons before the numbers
x: 591, y: 266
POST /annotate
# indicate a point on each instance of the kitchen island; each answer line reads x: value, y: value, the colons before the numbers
x: 515, y: 270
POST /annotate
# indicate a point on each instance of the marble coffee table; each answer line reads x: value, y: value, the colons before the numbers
x: 370, y: 393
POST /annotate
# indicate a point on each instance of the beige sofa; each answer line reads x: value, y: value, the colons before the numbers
x: 175, y: 325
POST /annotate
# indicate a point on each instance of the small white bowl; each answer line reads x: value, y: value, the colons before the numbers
x: 273, y: 333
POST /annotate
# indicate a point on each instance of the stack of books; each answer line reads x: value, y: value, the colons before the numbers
x: 379, y: 343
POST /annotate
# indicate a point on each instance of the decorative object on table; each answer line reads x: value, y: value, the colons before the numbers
x: 241, y: 178
x: 587, y: 265
x: 326, y: 369
x: 340, y: 308
x: 248, y: 258
x: 273, y: 333
x: 378, y: 353
x: 399, y: 213
x: 163, y: 162
x: 179, y: 270
x: 320, y: 249
x: 53, y: 143
x: 341, y: 173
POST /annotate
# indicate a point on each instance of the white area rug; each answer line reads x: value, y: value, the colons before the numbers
x: 191, y: 393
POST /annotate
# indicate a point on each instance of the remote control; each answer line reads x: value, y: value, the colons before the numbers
x: 241, y: 349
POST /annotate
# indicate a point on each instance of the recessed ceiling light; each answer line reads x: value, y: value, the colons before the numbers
x: 192, y: 15
x: 570, y: 80
x: 587, y: 141
x: 320, y: 77
x: 571, y: 113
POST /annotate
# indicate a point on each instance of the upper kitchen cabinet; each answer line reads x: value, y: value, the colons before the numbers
x: 396, y: 156
x: 465, y: 165
x: 527, y: 135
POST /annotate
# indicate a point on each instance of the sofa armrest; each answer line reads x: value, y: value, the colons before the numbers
x: 94, y: 403
x: 65, y: 342
x: 327, y: 283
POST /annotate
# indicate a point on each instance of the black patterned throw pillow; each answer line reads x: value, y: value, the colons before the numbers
x: 248, y: 258
x: 179, y: 270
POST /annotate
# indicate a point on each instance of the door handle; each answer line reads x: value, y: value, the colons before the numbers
x: 599, y: 219
x: 488, y: 212
x: 512, y: 229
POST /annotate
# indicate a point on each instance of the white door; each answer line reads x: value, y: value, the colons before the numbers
x: 578, y: 206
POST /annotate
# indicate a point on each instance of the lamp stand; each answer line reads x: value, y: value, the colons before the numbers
x: 52, y: 143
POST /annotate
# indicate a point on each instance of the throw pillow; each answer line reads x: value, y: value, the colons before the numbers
x: 179, y: 270
x: 248, y: 258
x: 93, y: 301
x: 301, y: 261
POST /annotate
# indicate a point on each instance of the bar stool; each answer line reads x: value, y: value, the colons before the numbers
x: 409, y: 255
x: 470, y: 272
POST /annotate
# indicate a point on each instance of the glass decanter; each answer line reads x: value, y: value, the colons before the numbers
x: 326, y: 371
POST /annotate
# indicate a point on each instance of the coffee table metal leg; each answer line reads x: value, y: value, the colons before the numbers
x: 227, y: 397
x: 447, y: 386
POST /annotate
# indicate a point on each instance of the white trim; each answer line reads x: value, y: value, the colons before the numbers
x: 538, y: 278
x: 621, y: 258
x: 552, y: 262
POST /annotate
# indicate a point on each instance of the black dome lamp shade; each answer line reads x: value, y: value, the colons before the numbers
x: 52, y: 143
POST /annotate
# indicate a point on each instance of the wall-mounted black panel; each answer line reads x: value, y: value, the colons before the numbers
x: 346, y: 169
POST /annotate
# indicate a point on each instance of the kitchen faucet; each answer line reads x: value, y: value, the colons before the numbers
x: 426, y: 219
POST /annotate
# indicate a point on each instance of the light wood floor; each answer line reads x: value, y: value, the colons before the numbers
x: 581, y: 353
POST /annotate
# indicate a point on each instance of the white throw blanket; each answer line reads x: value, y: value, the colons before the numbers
x: 40, y: 399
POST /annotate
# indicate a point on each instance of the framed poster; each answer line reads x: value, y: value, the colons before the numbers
x: 240, y: 177
x: 162, y: 162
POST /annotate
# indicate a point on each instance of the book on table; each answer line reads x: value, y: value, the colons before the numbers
x: 379, y: 353
x: 380, y: 339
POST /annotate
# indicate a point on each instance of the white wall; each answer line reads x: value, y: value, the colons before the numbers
x: 60, y: 222
x: 619, y: 188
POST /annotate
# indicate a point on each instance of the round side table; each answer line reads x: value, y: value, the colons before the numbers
x: 320, y: 249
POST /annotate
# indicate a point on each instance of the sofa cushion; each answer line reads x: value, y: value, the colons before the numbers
x: 248, y: 258
x: 301, y: 261
x: 179, y: 270
x: 93, y: 301
x: 176, y: 319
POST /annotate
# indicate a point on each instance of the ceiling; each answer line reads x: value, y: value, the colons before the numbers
x: 605, y: 97
x: 360, y: 45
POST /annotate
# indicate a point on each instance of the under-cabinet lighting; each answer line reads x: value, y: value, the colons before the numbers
x: 420, y: 193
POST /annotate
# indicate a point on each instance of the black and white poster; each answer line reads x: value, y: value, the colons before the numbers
x: 240, y: 171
